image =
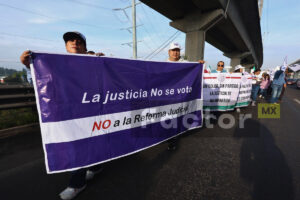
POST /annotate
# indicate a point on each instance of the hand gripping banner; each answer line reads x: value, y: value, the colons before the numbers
x: 96, y: 109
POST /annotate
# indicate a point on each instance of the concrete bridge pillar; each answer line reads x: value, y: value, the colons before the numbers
x: 236, y: 57
x: 194, y: 45
x: 195, y: 26
x: 235, y: 61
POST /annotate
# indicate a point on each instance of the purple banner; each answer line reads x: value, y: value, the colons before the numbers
x: 95, y: 109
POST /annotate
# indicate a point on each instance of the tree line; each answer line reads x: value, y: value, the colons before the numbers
x: 13, y: 76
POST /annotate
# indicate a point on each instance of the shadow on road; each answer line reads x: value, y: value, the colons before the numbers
x: 263, y: 165
x: 132, y: 177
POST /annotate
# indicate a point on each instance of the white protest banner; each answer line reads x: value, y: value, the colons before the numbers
x: 220, y: 91
x: 244, y: 97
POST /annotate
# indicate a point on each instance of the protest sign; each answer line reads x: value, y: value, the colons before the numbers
x: 96, y: 109
x: 244, y: 97
x: 220, y: 91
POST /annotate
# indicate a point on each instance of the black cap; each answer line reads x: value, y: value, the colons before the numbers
x: 72, y: 35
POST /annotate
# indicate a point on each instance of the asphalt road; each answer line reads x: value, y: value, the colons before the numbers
x: 259, y: 161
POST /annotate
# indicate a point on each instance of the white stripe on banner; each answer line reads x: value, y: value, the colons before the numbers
x: 70, y: 130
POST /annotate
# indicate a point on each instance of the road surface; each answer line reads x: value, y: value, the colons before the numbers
x: 259, y: 161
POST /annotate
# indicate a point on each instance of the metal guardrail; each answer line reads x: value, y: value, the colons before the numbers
x: 16, y: 96
x: 5, y: 133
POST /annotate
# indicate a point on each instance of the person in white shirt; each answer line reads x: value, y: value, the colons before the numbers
x: 174, y: 53
x: 256, y: 79
x: 174, y: 56
x: 239, y: 69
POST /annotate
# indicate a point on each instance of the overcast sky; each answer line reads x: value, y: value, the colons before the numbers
x: 39, y: 25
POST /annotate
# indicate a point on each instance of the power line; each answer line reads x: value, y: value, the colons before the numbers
x: 153, y: 15
x: 146, y: 31
x: 41, y: 39
x: 153, y: 42
x: 128, y: 28
x: 8, y: 60
x: 166, y: 42
x: 116, y: 9
x: 154, y: 30
x: 133, y: 10
x: 130, y: 43
x: 124, y: 10
x: 89, y: 5
x: 144, y: 42
x: 128, y: 19
x: 102, y: 8
x: 152, y: 54
x: 147, y: 45
x: 165, y: 46
x: 27, y: 37
x: 153, y: 27
x: 122, y: 22
x: 43, y: 15
x: 125, y: 13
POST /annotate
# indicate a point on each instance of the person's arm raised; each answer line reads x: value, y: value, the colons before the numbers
x: 25, y: 58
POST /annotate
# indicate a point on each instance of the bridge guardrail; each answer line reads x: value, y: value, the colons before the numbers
x: 16, y: 96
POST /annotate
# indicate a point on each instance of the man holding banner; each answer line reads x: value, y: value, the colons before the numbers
x: 75, y: 42
x: 174, y: 53
x: 256, y: 80
x: 123, y: 106
x: 220, y: 68
x: 239, y: 69
x: 174, y: 56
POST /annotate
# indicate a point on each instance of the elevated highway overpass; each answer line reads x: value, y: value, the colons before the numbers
x: 232, y: 26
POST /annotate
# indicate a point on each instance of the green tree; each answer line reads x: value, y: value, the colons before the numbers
x: 17, y: 77
x: 6, y: 72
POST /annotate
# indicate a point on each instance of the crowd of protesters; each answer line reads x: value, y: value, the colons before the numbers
x: 75, y: 43
x: 263, y: 83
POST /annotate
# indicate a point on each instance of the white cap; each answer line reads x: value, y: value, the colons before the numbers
x: 283, y: 67
x: 277, y: 68
x: 174, y: 45
x: 238, y: 67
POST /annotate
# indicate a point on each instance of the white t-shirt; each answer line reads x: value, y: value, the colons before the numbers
x: 180, y: 60
x: 256, y: 79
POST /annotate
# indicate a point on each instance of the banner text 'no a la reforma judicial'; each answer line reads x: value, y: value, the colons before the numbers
x: 96, y: 109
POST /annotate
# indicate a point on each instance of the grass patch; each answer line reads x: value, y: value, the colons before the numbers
x: 17, y: 117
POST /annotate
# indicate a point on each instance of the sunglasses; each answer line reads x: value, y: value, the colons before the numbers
x: 220, y: 65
